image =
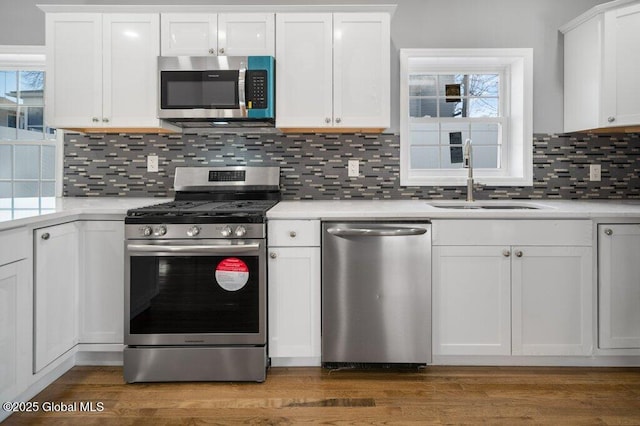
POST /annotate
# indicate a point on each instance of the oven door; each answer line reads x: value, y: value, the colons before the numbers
x: 209, y: 292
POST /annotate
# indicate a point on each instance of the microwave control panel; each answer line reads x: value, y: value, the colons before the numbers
x: 256, y: 89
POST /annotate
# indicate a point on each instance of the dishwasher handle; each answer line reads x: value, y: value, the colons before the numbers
x: 376, y: 232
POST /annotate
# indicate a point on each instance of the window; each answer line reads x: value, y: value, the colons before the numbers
x: 448, y: 96
x: 28, y: 155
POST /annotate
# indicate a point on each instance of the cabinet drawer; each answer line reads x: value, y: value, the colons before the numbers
x: 287, y: 233
x: 13, y: 245
x: 512, y: 232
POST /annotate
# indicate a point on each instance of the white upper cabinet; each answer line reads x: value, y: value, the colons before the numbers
x: 229, y: 34
x: 304, y: 70
x: 102, y: 70
x: 333, y: 70
x: 361, y: 70
x: 244, y: 34
x: 601, y: 65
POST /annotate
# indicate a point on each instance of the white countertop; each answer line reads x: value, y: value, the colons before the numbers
x: 54, y: 209
x: 421, y: 209
x: 63, y: 207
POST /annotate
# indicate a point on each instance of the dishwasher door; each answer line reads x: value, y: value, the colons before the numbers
x: 376, y: 292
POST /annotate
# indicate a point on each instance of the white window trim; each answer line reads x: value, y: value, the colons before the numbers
x: 518, y: 99
x: 33, y: 58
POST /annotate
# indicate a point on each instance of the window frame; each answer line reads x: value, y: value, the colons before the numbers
x: 515, y: 67
x: 32, y: 58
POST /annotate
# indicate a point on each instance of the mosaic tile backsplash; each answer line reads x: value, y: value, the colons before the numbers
x: 315, y: 166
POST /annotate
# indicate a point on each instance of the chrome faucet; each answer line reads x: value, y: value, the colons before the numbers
x: 467, y: 164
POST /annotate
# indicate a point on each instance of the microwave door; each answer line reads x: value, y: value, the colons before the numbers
x: 201, y: 94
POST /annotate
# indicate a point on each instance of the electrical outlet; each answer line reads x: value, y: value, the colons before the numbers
x: 152, y: 163
x: 595, y: 172
x: 354, y: 168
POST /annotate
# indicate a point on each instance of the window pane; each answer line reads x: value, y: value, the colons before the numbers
x: 48, y: 189
x: 32, y: 88
x: 8, y: 88
x: 424, y: 134
x: 486, y: 157
x: 483, y: 107
x: 484, y: 85
x: 424, y: 157
x: 48, y: 162
x: 26, y: 194
x: 422, y: 107
x: 451, y: 133
x: 30, y: 124
x: 5, y: 195
x: 6, y: 163
x: 448, y: 155
x: 485, y: 133
x: 422, y: 85
x: 8, y: 122
x: 27, y: 161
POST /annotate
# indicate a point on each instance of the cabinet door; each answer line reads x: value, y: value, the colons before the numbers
x: 74, y: 69
x: 15, y: 329
x: 304, y: 70
x: 619, y: 285
x: 361, y: 56
x: 189, y: 34
x: 552, y: 301
x: 55, y: 292
x: 621, y: 67
x: 101, y: 282
x: 131, y: 49
x: 294, y: 303
x: 244, y: 34
x: 471, y: 300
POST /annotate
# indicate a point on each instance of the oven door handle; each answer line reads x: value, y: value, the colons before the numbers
x: 200, y: 249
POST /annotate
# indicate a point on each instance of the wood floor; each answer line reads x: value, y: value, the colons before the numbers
x: 435, y: 395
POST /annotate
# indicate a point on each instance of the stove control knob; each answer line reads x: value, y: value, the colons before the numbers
x: 160, y: 231
x: 147, y: 231
x: 193, y: 231
x: 226, y: 231
x: 241, y: 231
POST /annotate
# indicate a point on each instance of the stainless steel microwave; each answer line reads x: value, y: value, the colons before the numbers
x: 216, y: 88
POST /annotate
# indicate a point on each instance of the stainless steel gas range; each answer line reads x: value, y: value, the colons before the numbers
x: 195, y: 304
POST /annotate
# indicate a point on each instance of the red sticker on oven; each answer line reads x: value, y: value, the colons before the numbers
x: 232, y: 274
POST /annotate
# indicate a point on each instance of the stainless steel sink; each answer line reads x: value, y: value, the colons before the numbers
x: 487, y: 205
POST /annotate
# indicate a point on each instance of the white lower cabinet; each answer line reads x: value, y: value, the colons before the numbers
x: 101, y: 288
x: 552, y: 301
x: 15, y: 329
x: 471, y: 301
x: 498, y: 295
x: 55, y: 283
x: 619, y: 286
x: 294, y: 293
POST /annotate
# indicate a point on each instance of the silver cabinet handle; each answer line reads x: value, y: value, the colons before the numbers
x: 105, y: 120
x: 45, y: 236
x: 292, y: 234
x: 95, y: 119
x: 221, y: 50
x: 611, y: 119
x: 519, y: 253
x: 608, y: 231
x: 364, y: 232
x: 273, y: 255
x: 212, y: 51
x: 327, y: 120
x: 200, y: 249
x: 338, y: 120
x: 506, y: 253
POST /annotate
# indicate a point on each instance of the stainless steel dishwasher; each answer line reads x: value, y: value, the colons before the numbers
x: 376, y: 293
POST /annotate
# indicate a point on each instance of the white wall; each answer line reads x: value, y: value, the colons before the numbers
x: 416, y: 23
